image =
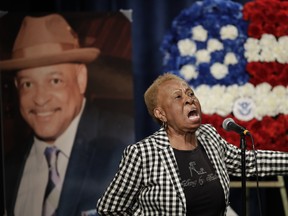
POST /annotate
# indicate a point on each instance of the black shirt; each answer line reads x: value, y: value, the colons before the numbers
x: 203, y: 191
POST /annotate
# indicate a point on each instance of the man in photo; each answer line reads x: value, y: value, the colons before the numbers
x: 75, y: 148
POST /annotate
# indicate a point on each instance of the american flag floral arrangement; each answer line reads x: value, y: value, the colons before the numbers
x: 235, y: 57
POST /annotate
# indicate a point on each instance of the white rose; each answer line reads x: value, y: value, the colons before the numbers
x: 189, y: 72
x: 285, y: 104
x: 209, y: 106
x: 283, y: 40
x: 233, y: 90
x: 280, y: 91
x: 267, y: 55
x: 252, y: 50
x: 263, y: 88
x: 266, y: 102
x: 265, y: 105
x: 277, y: 104
x: 218, y: 70
x: 199, y: 33
x: 271, y: 105
x: 282, y: 54
x: 252, y: 56
x: 218, y: 90
x: 202, y: 91
x: 203, y: 56
x: 229, y: 32
x: 268, y: 44
x: 214, y: 45
x: 226, y: 105
x: 267, y: 40
x: 204, y: 94
x: 281, y: 95
x: 259, y: 110
x: 186, y: 47
x: 230, y: 59
x: 217, y: 94
x: 246, y: 90
x: 252, y: 44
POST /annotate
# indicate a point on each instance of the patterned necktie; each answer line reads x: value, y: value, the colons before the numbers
x: 52, y: 192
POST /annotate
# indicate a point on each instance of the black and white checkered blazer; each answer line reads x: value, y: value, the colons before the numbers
x: 147, y: 182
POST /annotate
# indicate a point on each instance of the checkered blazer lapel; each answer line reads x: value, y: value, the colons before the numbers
x: 207, y: 138
x: 166, y: 154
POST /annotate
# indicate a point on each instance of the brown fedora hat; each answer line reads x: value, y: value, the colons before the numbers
x: 44, y: 41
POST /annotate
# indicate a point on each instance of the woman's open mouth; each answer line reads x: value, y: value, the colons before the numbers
x: 193, y: 114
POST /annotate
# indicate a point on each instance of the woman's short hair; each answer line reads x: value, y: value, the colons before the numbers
x: 150, y: 96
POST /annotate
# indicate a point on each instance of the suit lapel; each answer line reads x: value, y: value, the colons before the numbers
x: 93, y: 161
x: 78, y: 166
x: 212, y: 150
x: 75, y: 178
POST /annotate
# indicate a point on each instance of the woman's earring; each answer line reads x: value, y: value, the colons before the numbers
x: 164, y: 124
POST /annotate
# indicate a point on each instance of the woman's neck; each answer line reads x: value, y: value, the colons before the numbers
x: 186, y: 141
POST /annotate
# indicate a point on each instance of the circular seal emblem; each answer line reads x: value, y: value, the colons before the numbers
x: 244, y: 108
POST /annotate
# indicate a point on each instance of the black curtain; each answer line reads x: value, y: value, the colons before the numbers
x: 151, y: 20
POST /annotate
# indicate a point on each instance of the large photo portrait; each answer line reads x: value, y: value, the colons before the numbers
x: 67, y: 108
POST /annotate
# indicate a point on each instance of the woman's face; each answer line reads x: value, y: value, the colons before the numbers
x: 178, y: 106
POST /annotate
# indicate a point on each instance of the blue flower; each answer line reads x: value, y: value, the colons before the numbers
x: 200, y: 23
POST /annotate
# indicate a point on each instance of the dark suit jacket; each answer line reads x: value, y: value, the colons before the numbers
x: 96, y: 152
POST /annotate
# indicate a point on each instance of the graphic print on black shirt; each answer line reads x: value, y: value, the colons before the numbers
x: 202, y: 188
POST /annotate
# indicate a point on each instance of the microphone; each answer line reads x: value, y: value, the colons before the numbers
x: 230, y: 125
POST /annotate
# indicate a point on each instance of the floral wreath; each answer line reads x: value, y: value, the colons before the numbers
x: 235, y: 58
